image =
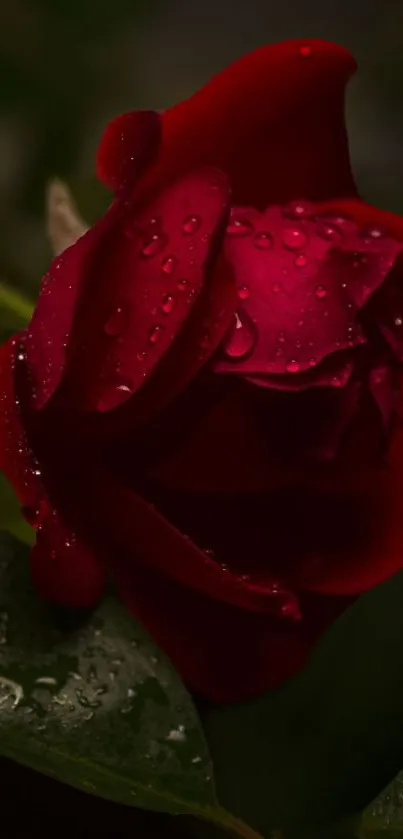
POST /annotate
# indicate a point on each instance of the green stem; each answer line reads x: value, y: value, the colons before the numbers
x: 15, y: 302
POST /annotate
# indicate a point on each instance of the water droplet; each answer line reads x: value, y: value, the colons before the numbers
x: 20, y: 356
x: 10, y: 690
x: 242, y: 337
x: 238, y: 226
x: 300, y: 261
x: 46, y: 680
x: 328, y: 231
x: 372, y: 232
x: 312, y: 362
x: 154, y: 245
x: 298, y: 209
x: 177, y: 734
x: 294, y: 238
x: 243, y: 292
x: 263, y: 240
x: 305, y: 51
x: 398, y: 321
x: 292, y: 366
x: 183, y: 284
x: 168, y: 265
x: 191, y: 224
x: 281, y: 337
x: 168, y: 303
x: 116, y: 393
x: 320, y: 292
x: 115, y: 323
x: 155, y: 334
x: 276, y: 288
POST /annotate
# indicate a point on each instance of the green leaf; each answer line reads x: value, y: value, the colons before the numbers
x: 11, y: 519
x: 384, y: 818
x: 99, y: 707
x: 15, y: 308
x: 320, y: 749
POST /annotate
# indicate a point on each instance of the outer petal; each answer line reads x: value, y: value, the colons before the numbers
x: 377, y: 553
x: 48, y: 334
x: 16, y: 458
x: 302, y: 284
x: 64, y: 570
x: 129, y: 144
x: 221, y: 652
x: 160, y: 265
x: 273, y: 121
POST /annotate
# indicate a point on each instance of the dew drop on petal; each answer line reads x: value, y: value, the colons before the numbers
x: 242, y: 337
x: 155, y: 334
x: 168, y: 303
x: 191, y: 224
x: 276, y: 288
x: 312, y: 361
x: 320, y: 292
x: 372, y: 232
x: 168, y: 265
x: 263, y: 240
x: 294, y: 238
x: 292, y: 366
x: 328, y: 231
x: 114, y: 394
x: 183, y: 284
x: 398, y: 321
x: 243, y: 292
x: 300, y: 261
x: 154, y: 245
x: 238, y: 226
x: 298, y: 210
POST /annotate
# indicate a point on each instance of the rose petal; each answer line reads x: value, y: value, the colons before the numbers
x: 129, y: 144
x: 376, y: 554
x: 383, y: 385
x: 159, y: 264
x: 272, y: 121
x: 16, y: 458
x: 63, y: 569
x: 48, y: 335
x: 223, y: 653
x: 335, y: 372
x: 301, y: 286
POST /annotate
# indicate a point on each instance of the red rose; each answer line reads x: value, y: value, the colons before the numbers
x: 203, y: 403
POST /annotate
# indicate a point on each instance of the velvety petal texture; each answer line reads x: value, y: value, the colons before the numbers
x: 206, y: 405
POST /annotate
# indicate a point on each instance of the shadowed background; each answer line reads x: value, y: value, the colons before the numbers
x: 68, y: 66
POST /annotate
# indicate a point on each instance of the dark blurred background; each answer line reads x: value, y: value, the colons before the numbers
x: 67, y: 66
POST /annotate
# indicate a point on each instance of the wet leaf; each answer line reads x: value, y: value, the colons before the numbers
x: 98, y: 706
x: 11, y: 519
x: 384, y: 818
x: 64, y: 224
